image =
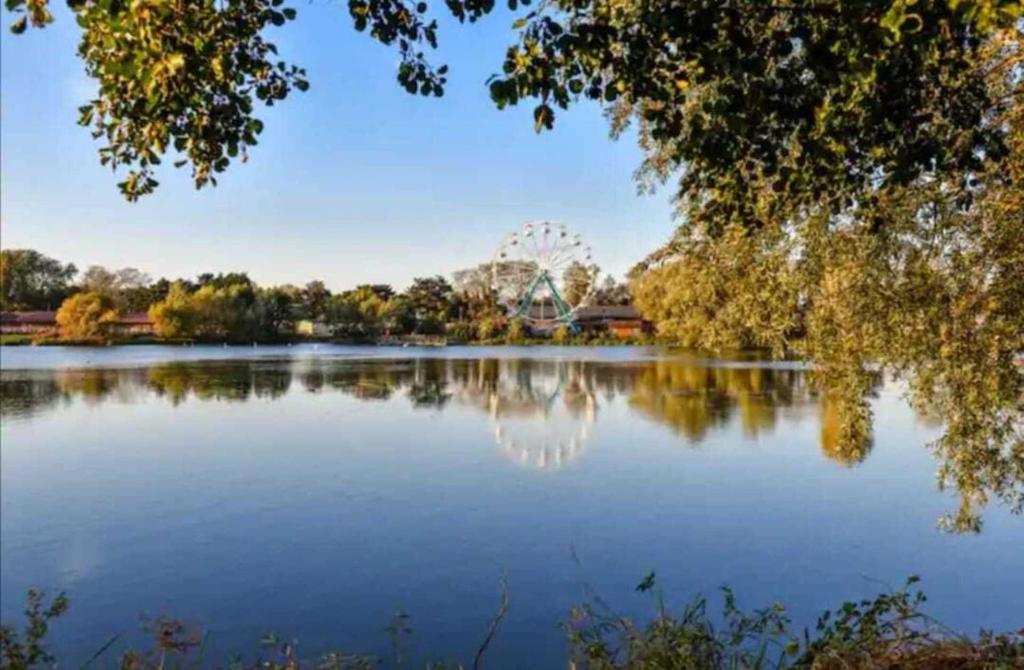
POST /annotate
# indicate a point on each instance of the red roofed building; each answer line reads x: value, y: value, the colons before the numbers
x: 30, y: 323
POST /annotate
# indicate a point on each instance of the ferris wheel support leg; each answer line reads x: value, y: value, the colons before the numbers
x: 524, y: 305
x: 564, y: 310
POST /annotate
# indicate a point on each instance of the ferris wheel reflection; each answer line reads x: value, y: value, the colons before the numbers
x: 542, y: 418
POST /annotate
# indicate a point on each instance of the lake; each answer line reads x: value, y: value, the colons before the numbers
x: 317, y: 490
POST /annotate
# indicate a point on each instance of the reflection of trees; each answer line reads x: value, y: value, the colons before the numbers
x: 429, y: 385
x: 27, y: 395
x: 526, y: 397
x: 692, y: 398
x: 842, y: 426
x: 364, y: 380
x: 232, y: 381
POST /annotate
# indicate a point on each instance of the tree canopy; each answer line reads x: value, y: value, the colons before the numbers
x: 815, y: 99
x: 87, y: 316
x: 31, y: 280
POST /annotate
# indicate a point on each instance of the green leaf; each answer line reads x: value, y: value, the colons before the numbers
x: 647, y: 583
x: 543, y: 117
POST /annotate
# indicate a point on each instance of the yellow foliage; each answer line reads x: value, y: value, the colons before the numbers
x: 87, y: 316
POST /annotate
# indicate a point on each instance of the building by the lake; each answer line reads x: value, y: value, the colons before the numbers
x: 45, y: 323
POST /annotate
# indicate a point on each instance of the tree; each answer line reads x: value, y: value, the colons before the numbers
x: 807, y: 97
x: 175, y: 316
x: 87, y: 316
x: 431, y: 299
x: 224, y: 279
x: 914, y: 283
x: 98, y: 279
x: 382, y: 291
x: 359, y: 313
x: 611, y: 292
x: 30, y: 280
x: 475, y: 281
x: 314, y: 299
x: 226, y: 312
x: 398, y: 316
x: 579, y: 281
x: 129, y: 287
x: 475, y: 296
x: 732, y: 293
x: 275, y: 312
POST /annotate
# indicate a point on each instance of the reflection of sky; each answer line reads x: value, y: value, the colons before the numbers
x: 317, y: 498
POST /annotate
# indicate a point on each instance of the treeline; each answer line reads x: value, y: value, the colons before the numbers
x: 231, y: 307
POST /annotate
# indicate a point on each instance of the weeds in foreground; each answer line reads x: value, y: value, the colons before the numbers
x: 888, y: 632
x: 26, y: 650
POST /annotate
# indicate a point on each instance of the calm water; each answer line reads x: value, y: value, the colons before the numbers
x: 315, y: 491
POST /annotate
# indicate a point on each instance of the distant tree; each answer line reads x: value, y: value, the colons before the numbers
x: 98, y: 279
x: 578, y: 281
x: 223, y: 280
x: 139, y: 299
x: 314, y: 299
x: 87, y: 315
x: 343, y: 315
x: 431, y: 298
x: 398, y: 316
x: 175, y: 316
x: 226, y: 312
x: 474, y: 293
x: 30, y: 280
x: 360, y: 312
x: 475, y: 281
x: 129, y: 287
x: 159, y: 289
x: 611, y: 292
x: 275, y: 312
x: 382, y: 291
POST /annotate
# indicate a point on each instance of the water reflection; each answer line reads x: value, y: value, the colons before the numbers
x: 542, y: 411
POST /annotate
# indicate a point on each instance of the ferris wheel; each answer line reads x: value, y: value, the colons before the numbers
x: 543, y: 274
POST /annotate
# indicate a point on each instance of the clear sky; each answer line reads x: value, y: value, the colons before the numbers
x: 353, y: 181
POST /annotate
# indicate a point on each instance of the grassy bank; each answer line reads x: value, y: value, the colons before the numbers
x: 889, y: 632
x: 14, y: 339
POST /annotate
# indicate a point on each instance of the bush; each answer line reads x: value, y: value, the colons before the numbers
x: 488, y: 329
x: 516, y: 332
x: 562, y: 335
x: 87, y: 316
x: 463, y: 331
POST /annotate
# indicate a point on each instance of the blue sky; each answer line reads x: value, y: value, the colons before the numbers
x: 354, y: 181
